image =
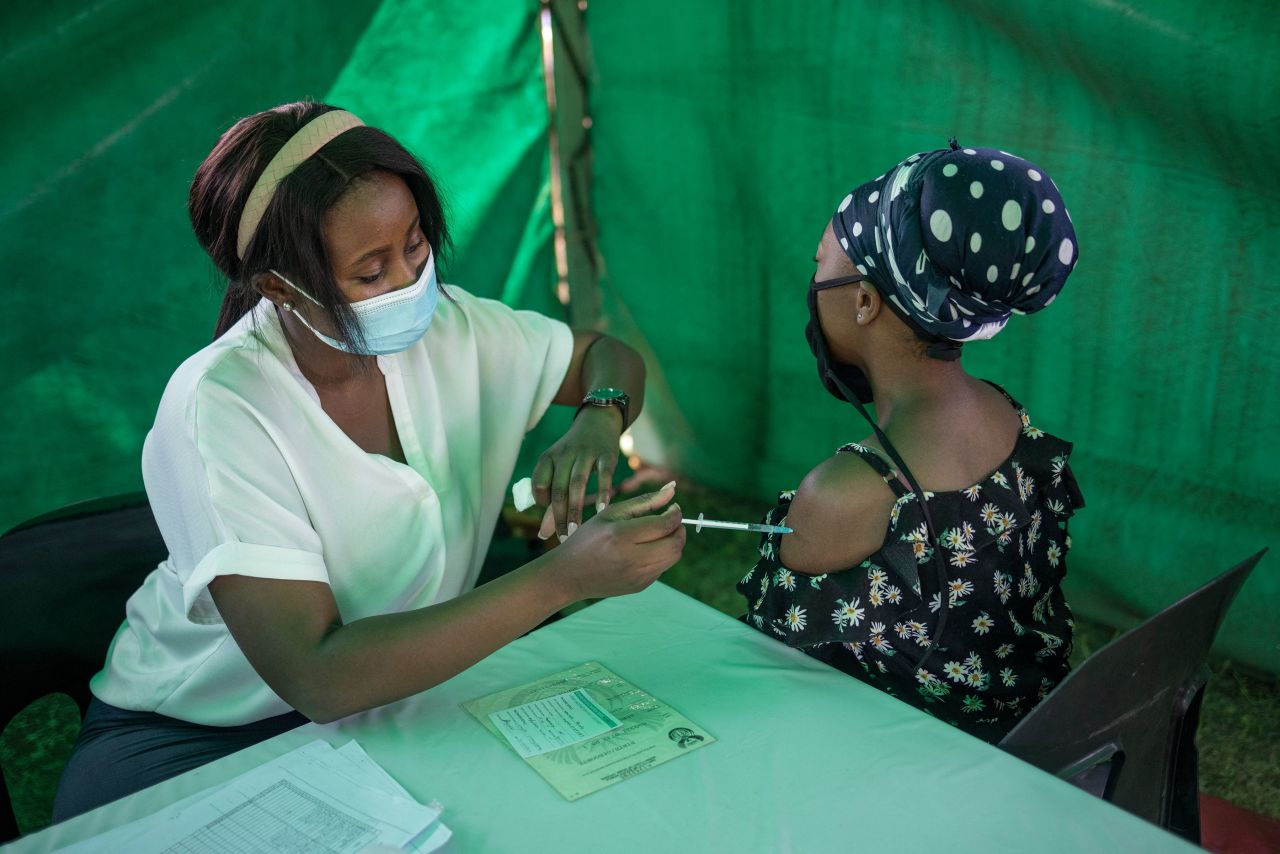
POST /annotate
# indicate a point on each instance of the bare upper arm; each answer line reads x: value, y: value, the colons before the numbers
x: 572, y: 388
x: 839, y: 515
x: 279, y: 626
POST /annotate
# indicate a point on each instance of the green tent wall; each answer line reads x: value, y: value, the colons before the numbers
x: 726, y: 134
x: 110, y: 108
x: 723, y: 134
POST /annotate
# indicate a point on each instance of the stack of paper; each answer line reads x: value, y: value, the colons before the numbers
x: 313, y: 799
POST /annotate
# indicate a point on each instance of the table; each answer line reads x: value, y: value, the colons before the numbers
x: 807, y: 759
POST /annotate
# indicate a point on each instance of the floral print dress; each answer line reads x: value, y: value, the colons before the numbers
x: 1009, y: 631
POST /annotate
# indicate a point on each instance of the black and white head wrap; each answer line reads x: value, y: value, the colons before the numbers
x: 959, y: 239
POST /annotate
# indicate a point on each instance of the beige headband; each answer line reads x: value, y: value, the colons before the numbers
x: 312, y: 137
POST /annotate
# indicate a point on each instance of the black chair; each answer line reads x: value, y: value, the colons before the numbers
x: 1122, y: 725
x: 64, y: 581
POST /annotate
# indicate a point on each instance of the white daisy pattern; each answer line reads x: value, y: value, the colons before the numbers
x: 918, y: 539
x: 1056, y: 467
x: 1053, y: 554
x: 878, y: 640
x: 1008, y: 630
x: 848, y: 613
x: 795, y: 618
x: 958, y: 589
x: 1003, y: 586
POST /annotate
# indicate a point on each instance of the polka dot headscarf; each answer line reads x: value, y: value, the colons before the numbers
x: 957, y: 240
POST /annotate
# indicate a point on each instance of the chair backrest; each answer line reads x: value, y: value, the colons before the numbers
x: 64, y: 581
x: 1122, y: 724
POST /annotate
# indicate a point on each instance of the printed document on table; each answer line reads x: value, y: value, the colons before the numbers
x: 314, y: 798
x: 540, y: 726
x: 650, y: 731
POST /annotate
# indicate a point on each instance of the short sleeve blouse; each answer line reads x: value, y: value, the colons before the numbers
x: 248, y: 475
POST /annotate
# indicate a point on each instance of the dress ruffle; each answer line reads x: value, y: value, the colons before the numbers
x: 1009, y: 630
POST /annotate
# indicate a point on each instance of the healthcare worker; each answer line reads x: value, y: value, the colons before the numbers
x: 327, y: 473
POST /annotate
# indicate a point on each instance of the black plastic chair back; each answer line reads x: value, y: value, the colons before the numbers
x: 1122, y: 725
x: 64, y: 581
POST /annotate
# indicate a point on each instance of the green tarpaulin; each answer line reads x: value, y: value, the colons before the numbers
x: 723, y: 134
x: 109, y: 108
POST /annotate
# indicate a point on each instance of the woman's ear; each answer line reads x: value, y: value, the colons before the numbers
x: 867, y: 304
x: 271, y: 287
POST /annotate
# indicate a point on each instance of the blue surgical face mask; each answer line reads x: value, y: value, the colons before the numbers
x: 391, y: 322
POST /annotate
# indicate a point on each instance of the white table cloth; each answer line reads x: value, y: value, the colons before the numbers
x: 807, y: 759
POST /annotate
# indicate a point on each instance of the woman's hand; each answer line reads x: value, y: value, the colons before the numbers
x: 622, y: 549
x: 560, y: 477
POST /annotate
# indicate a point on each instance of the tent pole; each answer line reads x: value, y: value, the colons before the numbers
x: 566, y: 67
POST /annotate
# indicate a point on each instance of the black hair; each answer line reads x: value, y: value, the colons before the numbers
x: 290, y: 237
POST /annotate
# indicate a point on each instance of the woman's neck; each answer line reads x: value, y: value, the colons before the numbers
x: 322, y: 365
x: 902, y: 385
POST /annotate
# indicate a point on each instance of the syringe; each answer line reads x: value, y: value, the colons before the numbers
x: 522, y: 494
x: 702, y: 522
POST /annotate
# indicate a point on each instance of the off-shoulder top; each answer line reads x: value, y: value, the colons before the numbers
x: 1009, y: 632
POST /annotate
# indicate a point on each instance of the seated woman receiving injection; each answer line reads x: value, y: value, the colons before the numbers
x: 953, y: 605
x: 327, y: 473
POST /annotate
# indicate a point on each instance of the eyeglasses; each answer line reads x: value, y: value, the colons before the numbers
x: 815, y: 285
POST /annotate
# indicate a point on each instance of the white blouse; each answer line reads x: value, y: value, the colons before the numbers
x: 247, y: 475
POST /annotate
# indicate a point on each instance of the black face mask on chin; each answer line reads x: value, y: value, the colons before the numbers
x: 833, y: 374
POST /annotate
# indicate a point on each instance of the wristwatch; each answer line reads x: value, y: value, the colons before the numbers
x: 609, y: 397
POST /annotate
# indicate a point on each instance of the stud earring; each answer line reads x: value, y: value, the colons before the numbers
x: 288, y: 306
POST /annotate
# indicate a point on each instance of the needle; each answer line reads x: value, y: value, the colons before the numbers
x: 702, y: 522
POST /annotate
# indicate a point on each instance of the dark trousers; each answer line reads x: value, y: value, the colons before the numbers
x: 120, y: 752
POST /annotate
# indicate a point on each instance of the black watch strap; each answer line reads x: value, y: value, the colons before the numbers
x: 609, y: 397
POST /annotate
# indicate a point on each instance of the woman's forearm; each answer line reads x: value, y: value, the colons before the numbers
x: 611, y: 364
x: 378, y: 660
x: 292, y: 634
